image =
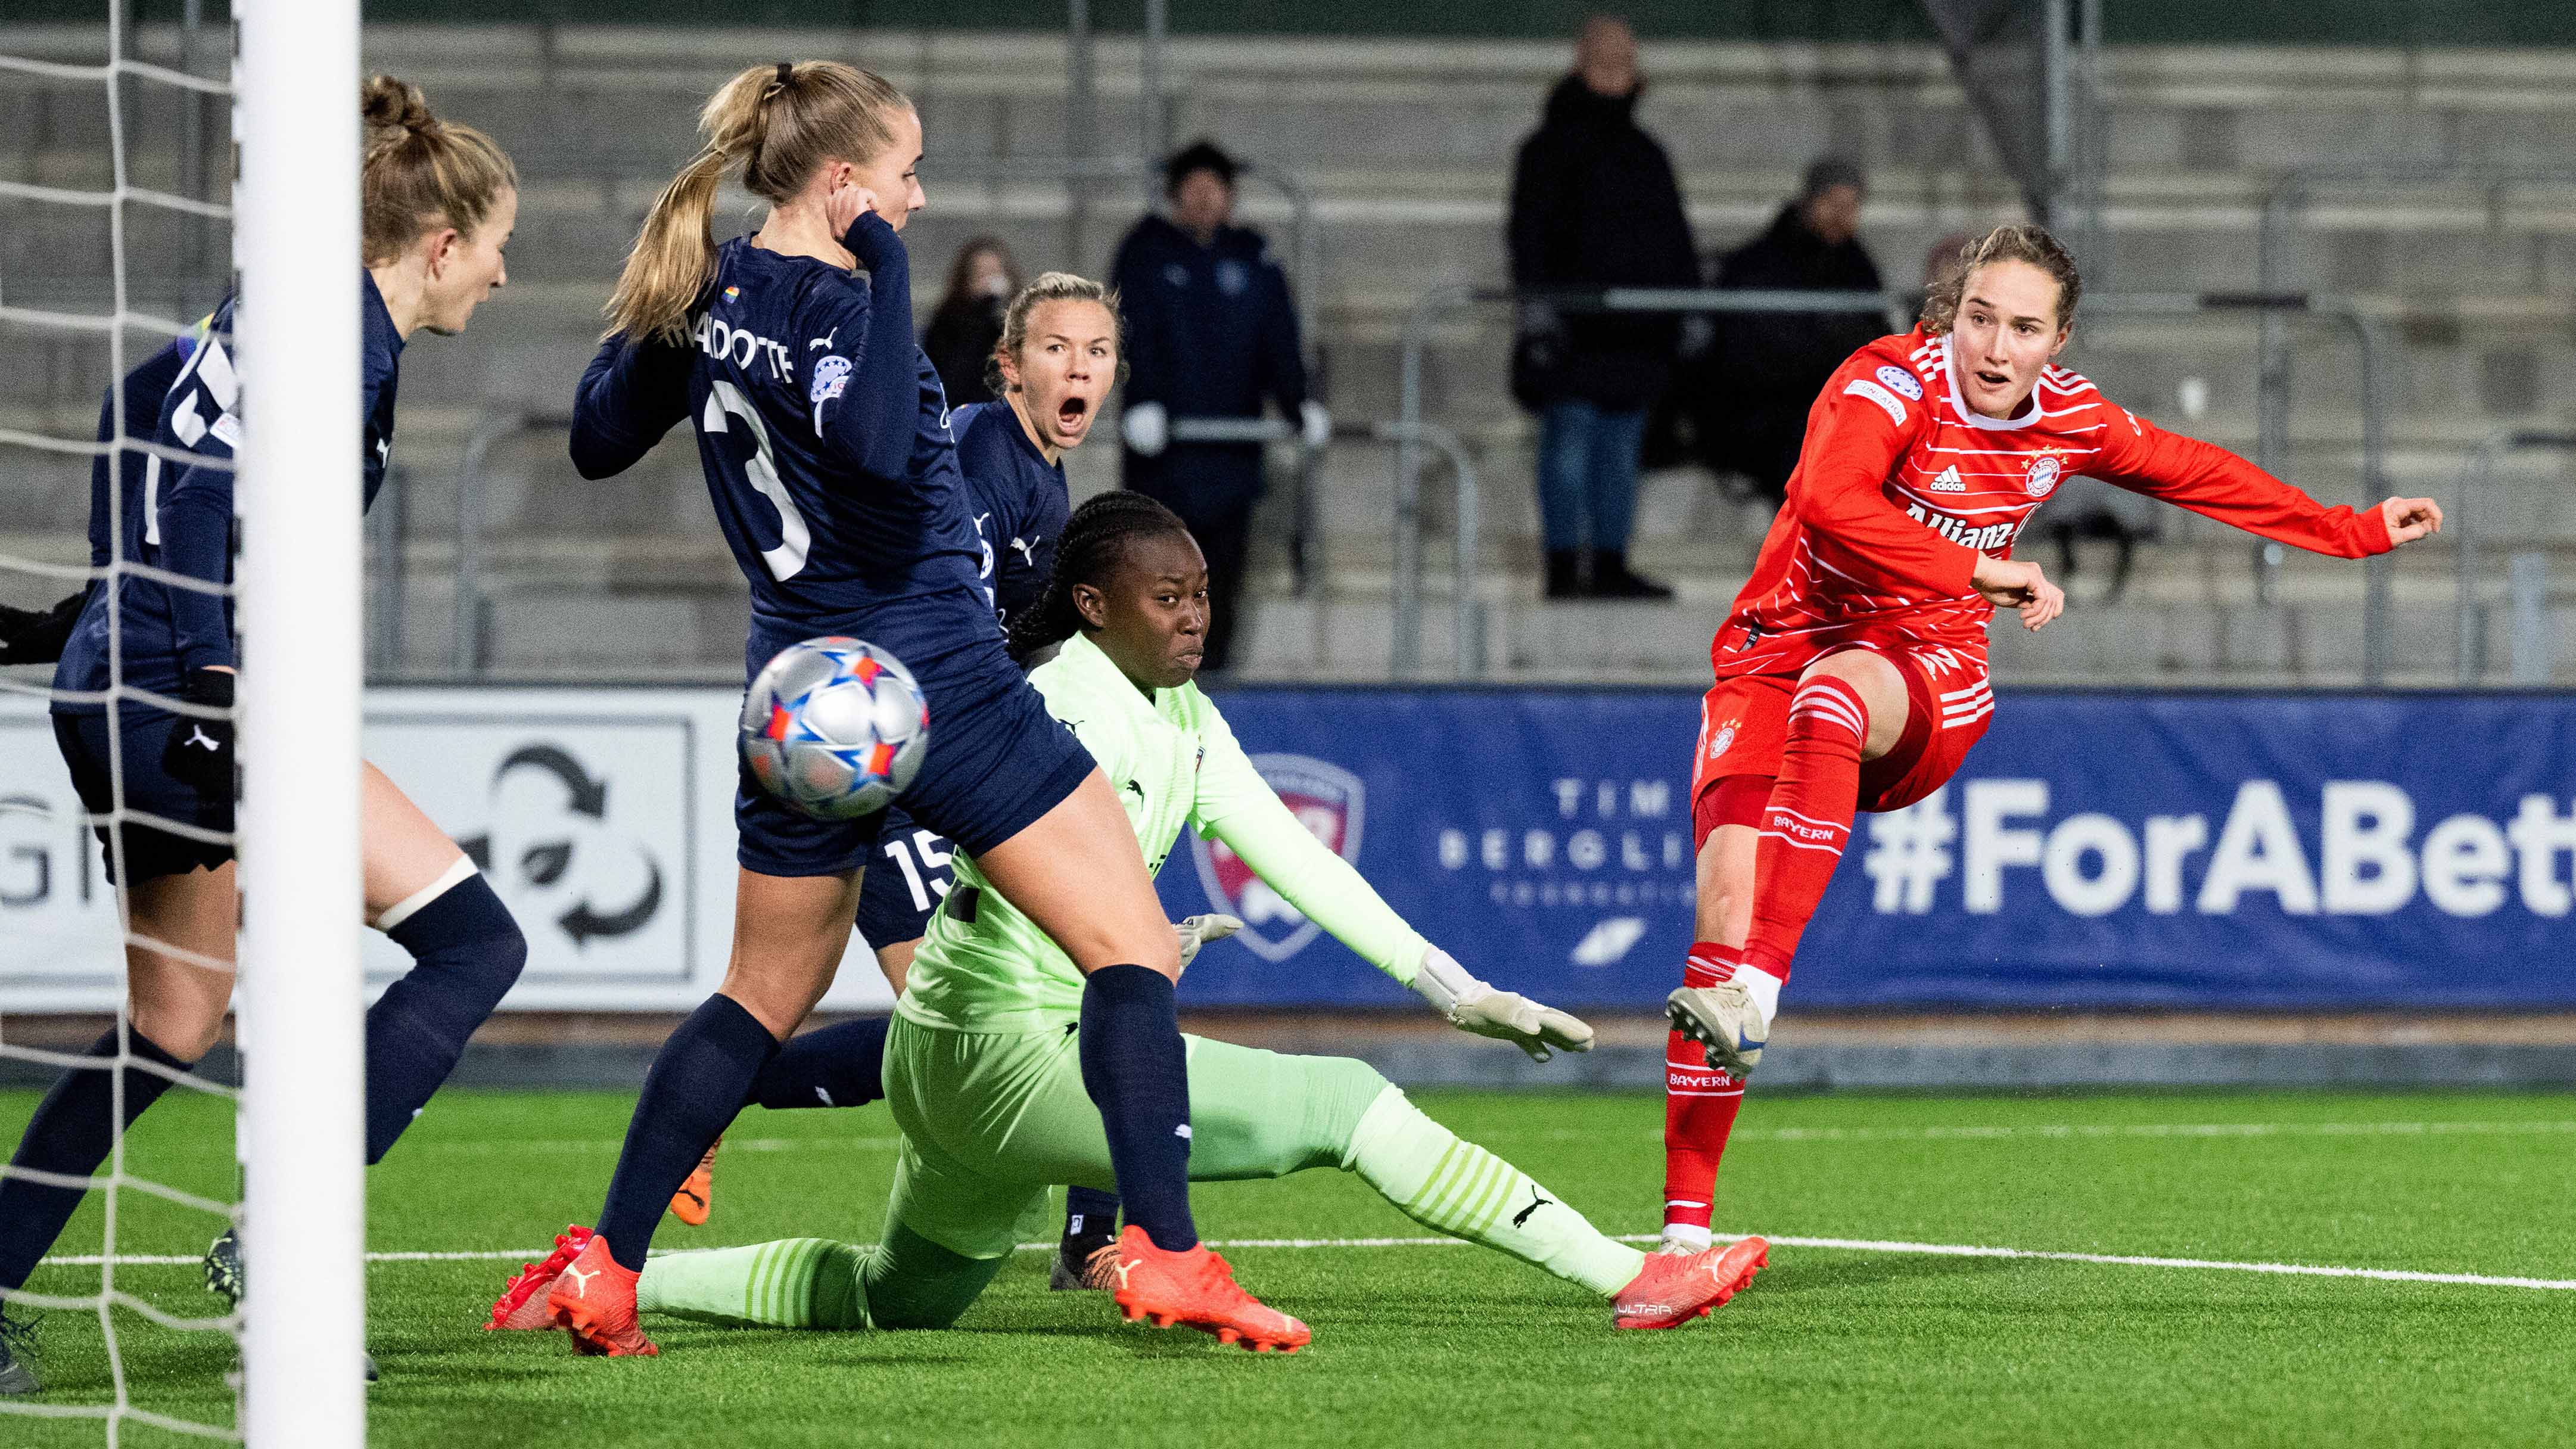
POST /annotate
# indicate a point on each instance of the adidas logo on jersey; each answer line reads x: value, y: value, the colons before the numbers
x: 1949, y: 481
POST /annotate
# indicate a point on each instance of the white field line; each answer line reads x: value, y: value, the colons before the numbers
x: 2164, y: 1129
x: 1847, y: 1245
x: 2180, y: 1130
x: 2033, y: 1131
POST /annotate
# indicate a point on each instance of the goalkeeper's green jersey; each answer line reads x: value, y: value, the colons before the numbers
x: 1173, y: 761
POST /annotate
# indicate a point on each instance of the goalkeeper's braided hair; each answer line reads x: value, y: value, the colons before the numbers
x: 1094, y: 544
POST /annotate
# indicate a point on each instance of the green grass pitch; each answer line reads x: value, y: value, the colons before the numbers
x: 1450, y: 1345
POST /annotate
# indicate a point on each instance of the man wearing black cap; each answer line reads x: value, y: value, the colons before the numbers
x: 1211, y: 333
x: 1770, y: 364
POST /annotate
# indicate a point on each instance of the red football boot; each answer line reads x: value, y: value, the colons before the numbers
x: 594, y: 1299
x: 697, y: 1196
x: 1674, y: 1288
x: 523, y: 1304
x: 1197, y: 1288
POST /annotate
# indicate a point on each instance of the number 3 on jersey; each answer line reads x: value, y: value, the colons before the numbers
x: 725, y: 401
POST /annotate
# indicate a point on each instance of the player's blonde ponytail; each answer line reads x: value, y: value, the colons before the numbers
x: 778, y: 123
x: 419, y: 173
x: 2013, y: 242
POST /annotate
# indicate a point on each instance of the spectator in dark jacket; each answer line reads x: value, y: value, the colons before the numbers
x: 1770, y: 364
x: 968, y: 325
x: 1211, y: 333
x: 1594, y: 204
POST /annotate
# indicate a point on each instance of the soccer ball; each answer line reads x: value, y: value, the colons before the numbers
x: 835, y: 727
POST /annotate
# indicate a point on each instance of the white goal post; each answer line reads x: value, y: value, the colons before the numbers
x: 300, y: 993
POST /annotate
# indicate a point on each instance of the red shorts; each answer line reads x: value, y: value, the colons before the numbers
x: 1744, y: 722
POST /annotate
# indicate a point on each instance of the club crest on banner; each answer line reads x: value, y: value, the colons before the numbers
x: 1328, y: 800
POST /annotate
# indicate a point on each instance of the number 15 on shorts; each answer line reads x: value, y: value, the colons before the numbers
x: 923, y: 859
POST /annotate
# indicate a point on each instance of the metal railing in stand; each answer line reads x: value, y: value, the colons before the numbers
x: 1410, y: 431
x: 2366, y: 331
x: 2373, y: 344
x: 1468, y: 610
x: 388, y: 525
x: 2271, y: 275
x: 473, y: 626
x: 2476, y: 487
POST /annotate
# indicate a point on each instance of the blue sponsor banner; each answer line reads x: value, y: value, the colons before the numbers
x: 2100, y: 849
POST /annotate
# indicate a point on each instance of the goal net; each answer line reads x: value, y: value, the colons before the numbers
x: 128, y: 221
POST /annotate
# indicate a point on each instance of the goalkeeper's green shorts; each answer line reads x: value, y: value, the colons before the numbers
x: 992, y: 1119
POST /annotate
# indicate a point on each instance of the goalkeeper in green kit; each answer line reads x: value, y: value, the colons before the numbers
x: 982, y: 1066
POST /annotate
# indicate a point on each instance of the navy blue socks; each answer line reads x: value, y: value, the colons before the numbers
x: 698, y: 1082
x: 834, y: 1066
x: 1137, y: 1073
x: 70, y: 1135
x: 466, y: 952
x: 1090, y: 1213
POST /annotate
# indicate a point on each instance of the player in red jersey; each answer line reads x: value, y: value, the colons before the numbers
x: 1852, y: 673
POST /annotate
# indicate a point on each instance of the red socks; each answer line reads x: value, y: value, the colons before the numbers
x: 1807, y: 819
x: 1700, y: 1103
x: 1802, y: 829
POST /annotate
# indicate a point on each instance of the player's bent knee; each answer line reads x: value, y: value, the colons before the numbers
x: 909, y: 1281
x: 1340, y: 1093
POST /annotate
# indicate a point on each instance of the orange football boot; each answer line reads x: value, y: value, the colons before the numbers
x: 697, y: 1196
x: 1197, y: 1288
x: 1674, y: 1288
x: 522, y: 1305
x: 594, y: 1298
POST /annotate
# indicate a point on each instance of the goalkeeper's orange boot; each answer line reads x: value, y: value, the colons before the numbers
x: 594, y: 1298
x: 1197, y: 1288
x: 697, y: 1196
x: 1674, y: 1288
x: 522, y: 1305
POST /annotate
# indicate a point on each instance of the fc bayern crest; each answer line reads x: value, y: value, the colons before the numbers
x: 2043, y: 476
x: 1327, y: 800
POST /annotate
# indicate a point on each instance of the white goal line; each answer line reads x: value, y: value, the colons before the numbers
x: 1845, y: 1245
x: 2036, y: 1130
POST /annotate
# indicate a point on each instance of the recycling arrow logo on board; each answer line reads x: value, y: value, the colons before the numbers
x: 552, y: 853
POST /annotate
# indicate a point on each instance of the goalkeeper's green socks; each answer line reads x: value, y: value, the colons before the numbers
x: 1458, y: 1188
x: 795, y: 1283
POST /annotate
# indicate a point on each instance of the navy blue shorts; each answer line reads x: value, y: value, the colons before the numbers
x: 997, y: 761
x: 907, y: 879
x: 149, y: 853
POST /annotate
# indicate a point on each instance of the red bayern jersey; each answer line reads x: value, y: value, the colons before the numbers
x: 1899, y: 487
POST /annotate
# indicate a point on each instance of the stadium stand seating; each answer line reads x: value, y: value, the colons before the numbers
x: 1406, y: 149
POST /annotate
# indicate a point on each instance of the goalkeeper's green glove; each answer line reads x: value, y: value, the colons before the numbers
x: 1474, y: 1006
x: 1197, y: 931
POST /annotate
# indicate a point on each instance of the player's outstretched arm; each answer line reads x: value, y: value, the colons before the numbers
x: 1237, y: 806
x: 2215, y: 483
x: 1475, y: 1007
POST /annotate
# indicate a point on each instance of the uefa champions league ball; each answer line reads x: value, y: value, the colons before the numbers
x: 835, y: 727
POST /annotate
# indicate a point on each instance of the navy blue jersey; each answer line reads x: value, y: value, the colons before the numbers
x: 1020, y: 503
x: 178, y: 515
x: 824, y: 435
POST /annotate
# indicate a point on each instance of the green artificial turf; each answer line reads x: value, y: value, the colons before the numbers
x: 1422, y: 1345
